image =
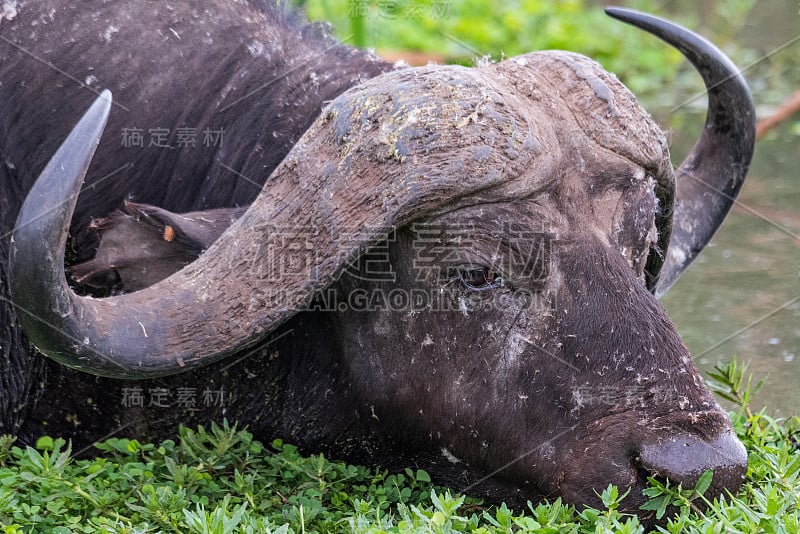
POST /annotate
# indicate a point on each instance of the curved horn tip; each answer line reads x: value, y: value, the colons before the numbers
x: 73, y: 156
x: 39, y: 236
x: 696, y: 48
x: 63, y: 174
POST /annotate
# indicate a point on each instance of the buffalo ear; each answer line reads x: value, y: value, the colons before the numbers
x: 144, y: 244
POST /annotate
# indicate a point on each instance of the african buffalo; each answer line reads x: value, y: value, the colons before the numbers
x: 504, y: 229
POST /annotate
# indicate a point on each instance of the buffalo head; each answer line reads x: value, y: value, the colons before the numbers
x: 530, y: 204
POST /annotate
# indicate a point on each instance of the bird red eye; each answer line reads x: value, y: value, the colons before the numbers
x: 169, y: 233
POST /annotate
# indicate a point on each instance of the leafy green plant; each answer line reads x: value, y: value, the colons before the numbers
x: 662, y: 495
x: 221, y: 480
x: 732, y: 382
x: 466, y: 30
x: 6, y: 441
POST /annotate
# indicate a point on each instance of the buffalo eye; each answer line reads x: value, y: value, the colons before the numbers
x: 479, y: 279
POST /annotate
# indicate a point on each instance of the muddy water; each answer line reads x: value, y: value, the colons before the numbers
x: 742, y: 296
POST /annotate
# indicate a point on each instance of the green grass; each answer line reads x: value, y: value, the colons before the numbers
x: 466, y: 30
x: 221, y: 480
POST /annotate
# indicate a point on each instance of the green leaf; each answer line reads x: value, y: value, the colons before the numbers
x: 35, y: 458
x: 504, y: 516
x: 423, y: 476
x: 45, y: 443
x: 659, y: 504
x: 704, y: 482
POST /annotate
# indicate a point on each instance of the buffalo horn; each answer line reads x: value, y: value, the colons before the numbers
x: 712, y: 174
x: 246, y: 284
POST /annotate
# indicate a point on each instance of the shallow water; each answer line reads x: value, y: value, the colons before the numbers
x: 742, y: 295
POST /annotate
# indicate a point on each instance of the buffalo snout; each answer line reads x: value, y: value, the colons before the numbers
x: 684, y: 457
x: 639, y: 447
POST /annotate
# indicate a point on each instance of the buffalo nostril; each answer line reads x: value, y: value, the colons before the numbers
x: 683, y: 457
